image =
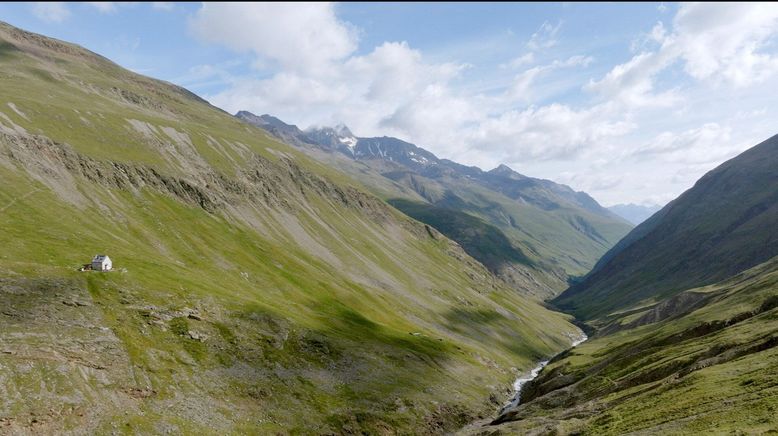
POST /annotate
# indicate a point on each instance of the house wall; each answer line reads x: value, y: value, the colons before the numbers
x: 102, y: 266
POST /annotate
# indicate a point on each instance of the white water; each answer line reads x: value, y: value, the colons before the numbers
x: 521, y: 381
x: 580, y: 340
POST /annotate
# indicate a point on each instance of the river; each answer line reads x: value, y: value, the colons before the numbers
x: 477, y: 426
x: 524, y: 379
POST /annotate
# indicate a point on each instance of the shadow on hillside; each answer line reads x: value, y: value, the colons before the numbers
x: 479, y: 239
x: 366, y: 369
x: 483, y: 325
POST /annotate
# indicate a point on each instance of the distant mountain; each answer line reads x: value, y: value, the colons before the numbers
x: 337, y: 138
x: 634, y: 213
x: 540, y: 233
x: 726, y: 223
x: 286, y: 132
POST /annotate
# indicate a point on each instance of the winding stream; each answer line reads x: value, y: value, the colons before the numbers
x: 521, y: 381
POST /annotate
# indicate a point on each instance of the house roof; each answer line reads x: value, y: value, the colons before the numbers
x: 100, y: 258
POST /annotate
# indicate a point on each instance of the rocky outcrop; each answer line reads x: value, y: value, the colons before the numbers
x: 261, y: 182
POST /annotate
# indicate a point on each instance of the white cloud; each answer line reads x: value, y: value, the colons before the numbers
x: 658, y: 32
x: 706, y: 144
x: 751, y: 114
x: 647, y: 128
x: 545, y: 37
x: 394, y: 70
x: 549, y: 132
x: 290, y: 91
x: 575, y: 61
x: 723, y: 41
x: 523, y: 83
x: 209, y: 74
x: 591, y: 181
x: 520, y: 61
x: 717, y: 42
x: 103, y: 7
x: 51, y: 12
x: 436, y: 115
x: 376, y: 93
x: 298, y: 36
x: 632, y: 83
x: 162, y: 6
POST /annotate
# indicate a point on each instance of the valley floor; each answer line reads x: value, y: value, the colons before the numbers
x: 712, y: 369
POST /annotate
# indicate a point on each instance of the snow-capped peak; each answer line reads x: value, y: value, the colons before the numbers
x: 348, y: 141
x: 345, y: 136
x: 343, y: 131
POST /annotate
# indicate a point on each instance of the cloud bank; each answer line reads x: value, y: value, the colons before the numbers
x: 640, y: 131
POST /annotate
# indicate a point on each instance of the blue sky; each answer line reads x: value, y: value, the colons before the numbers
x: 629, y: 102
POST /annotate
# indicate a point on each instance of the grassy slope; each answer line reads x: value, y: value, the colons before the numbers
x: 567, y: 238
x: 305, y: 290
x: 726, y: 223
x: 480, y: 239
x: 558, y: 244
x: 713, y: 369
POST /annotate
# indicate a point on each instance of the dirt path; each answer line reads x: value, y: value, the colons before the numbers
x: 23, y: 197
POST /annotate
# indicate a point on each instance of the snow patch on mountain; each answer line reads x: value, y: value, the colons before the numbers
x: 349, y: 142
x: 418, y: 159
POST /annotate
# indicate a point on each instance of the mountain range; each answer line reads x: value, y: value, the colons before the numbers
x: 273, y: 280
x: 533, y: 233
x: 254, y: 290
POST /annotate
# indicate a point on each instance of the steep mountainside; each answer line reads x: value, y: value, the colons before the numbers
x: 702, y: 362
x: 634, y: 213
x: 558, y: 233
x: 726, y: 223
x: 665, y: 359
x: 255, y: 290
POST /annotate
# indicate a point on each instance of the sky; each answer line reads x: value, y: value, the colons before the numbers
x: 631, y: 103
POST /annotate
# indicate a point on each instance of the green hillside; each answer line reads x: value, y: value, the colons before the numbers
x: 255, y: 290
x: 669, y: 359
x: 726, y: 223
x: 478, y: 238
x: 702, y: 362
x: 560, y: 233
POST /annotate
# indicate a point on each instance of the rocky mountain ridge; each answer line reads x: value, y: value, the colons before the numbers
x: 547, y: 233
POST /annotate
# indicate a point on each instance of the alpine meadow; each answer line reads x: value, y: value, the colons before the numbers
x: 493, y: 219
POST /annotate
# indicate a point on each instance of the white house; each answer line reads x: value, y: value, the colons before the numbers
x: 101, y: 262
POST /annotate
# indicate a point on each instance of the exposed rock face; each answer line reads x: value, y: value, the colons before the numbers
x: 261, y: 181
x: 70, y: 346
